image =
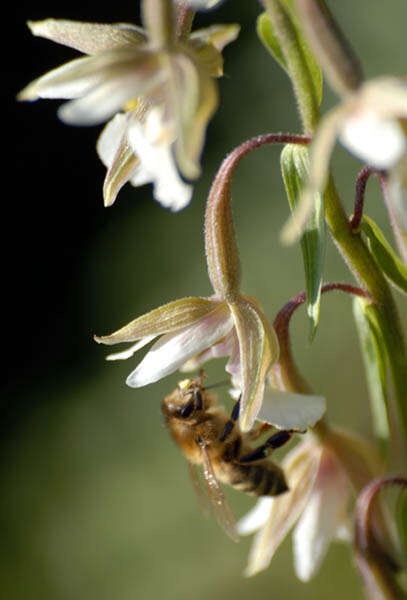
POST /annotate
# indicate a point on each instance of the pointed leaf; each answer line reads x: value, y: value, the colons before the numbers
x: 295, y: 168
x: 374, y: 358
x: 321, y: 148
x: 266, y: 33
x: 166, y: 318
x: 384, y: 255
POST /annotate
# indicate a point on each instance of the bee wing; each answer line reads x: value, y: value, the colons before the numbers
x: 200, y: 492
x: 221, y: 508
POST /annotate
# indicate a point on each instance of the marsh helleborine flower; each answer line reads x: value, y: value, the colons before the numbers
x: 317, y: 502
x: 369, y: 121
x: 158, y: 91
x: 228, y: 323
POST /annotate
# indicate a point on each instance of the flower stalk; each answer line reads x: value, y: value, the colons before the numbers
x: 297, y: 65
x: 285, y: 370
x: 384, y: 310
x: 376, y: 567
x: 220, y: 240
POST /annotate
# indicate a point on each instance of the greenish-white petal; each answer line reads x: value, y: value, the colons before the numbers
x: 171, y: 351
x: 300, y: 467
x: 258, y: 348
x: 192, y: 99
x: 89, y: 38
x: 166, y: 318
x: 118, y: 156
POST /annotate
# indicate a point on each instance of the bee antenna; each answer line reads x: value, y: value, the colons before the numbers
x: 218, y: 384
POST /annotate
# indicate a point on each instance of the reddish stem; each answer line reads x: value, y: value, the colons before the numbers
x: 285, y: 370
x: 376, y: 566
x: 361, y: 182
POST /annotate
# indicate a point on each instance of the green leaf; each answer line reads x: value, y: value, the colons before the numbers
x: 374, y: 358
x: 384, y: 255
x: 265, y: 31
x: 294, y: 167
x: 267, y: 36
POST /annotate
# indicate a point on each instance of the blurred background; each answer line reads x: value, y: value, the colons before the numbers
x: 95, y: 500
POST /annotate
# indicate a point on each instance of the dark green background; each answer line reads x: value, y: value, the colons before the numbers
x: 95, y: 499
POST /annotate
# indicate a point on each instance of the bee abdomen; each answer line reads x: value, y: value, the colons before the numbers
x: 258, y: 480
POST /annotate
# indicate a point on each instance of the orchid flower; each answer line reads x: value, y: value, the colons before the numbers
x: 317, y: 503
x: 228, y: 323
x: 158, y: 91
x: 368, y: 121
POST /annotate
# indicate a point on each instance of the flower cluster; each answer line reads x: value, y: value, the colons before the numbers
x: 318, y: 503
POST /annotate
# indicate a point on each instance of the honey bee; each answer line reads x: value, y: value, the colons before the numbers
x: 207, y: 436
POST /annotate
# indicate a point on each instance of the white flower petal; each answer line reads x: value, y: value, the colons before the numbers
x: 287, y: 410
x: 321, y: 518
x: 174, y: 349
x: 377, y: 140
x: 223, y: 348
x: 255, y: 518
x: 110, y: 138
x: 158, y: 166
x: 130, y: 351
x: 102, y: 102
x: 71, y: 80
x: 300, y: 466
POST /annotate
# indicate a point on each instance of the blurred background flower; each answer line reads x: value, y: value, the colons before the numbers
x: 95, y: 498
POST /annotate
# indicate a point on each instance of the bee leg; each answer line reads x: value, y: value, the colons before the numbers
x: 198, y: 400
x: 258, y: 431
x: 275, y: 441
x: 231, y: 423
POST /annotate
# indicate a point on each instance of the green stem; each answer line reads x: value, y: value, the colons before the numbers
x: 360, y: 262
x: 298, y: 68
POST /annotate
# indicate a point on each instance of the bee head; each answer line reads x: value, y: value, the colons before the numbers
x: 185, y: 401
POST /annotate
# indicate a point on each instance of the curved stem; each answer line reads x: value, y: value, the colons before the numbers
x: 285, y: 371
x: 220, y: 239
x: 361, y: 182
x: 376, y: 567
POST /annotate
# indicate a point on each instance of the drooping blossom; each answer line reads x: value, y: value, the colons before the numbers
x: 369, y: 121
x: 158, y: 91
x: 318, y: 502
x: 228, y: 323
